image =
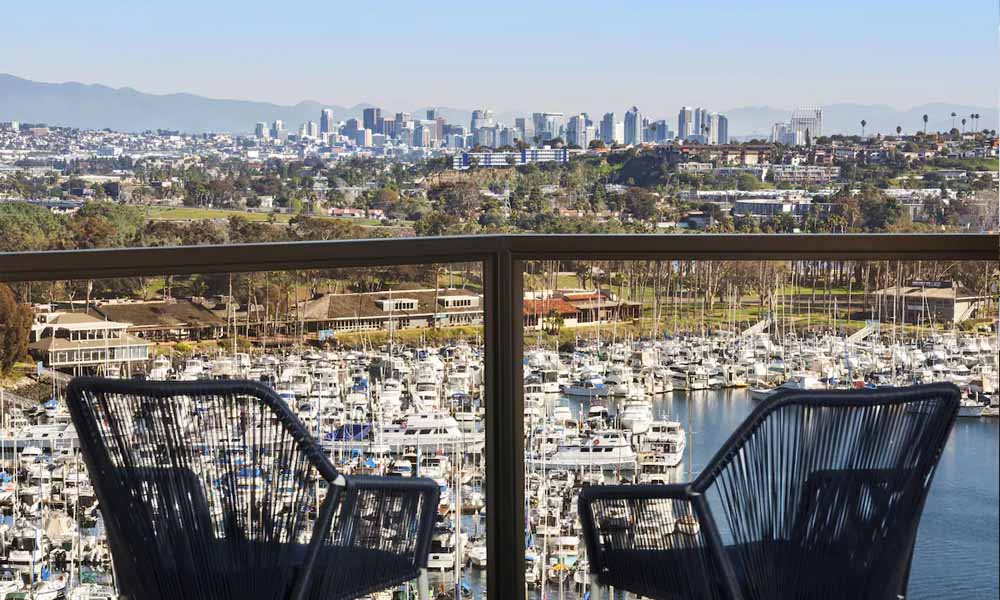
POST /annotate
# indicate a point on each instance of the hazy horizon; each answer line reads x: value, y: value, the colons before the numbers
x: 585, y: 56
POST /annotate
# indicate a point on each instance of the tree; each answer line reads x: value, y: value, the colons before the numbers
x: 899, y: 130
x: 15, y: 325
x: 863, y: 123
x: 925, y: 124
x: 953, y: 115
x: 747, y: 182
x: 553, y: 322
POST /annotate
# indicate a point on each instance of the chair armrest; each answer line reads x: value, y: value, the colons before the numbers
x: 607, y: 511
x: 390, y: 514
x: 655, y: 540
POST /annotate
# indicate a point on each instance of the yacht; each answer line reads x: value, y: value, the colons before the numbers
x: 605, y: 450
x: 665, y: 431
x: 588, y: 387
x: 161, y: 368
x: 637, y: 416
x: 442, y: 551
x: 433, y: 430
x: 796, y: 382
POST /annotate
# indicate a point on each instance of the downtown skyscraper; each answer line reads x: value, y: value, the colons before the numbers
x: 633, y: 127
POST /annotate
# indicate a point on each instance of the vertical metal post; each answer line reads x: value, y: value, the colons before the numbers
x: 503, y: 333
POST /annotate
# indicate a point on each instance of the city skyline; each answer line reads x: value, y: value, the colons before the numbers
x: 230, y: 53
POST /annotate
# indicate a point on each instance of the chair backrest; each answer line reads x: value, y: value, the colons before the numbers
x: 207, y: 489
x: 821, y: 492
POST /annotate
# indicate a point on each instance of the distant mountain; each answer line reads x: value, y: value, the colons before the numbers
x: 125, y: 109
x: 94, y: 106
x: 756, y: 121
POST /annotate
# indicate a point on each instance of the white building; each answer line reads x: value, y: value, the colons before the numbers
x: 806, y: 123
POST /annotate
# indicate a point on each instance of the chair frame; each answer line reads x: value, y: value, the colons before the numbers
x: 694, y: 491
x: 339, y: 485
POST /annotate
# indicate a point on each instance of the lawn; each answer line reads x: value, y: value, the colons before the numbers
x: 188, y: 213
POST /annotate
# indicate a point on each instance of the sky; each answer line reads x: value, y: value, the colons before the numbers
x: 516, y: 55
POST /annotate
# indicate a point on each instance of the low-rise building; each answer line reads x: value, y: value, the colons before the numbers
x: 815, y: 174
x: 165, y: 320
x: 83, y: 343
x: 924, y: 302
x: 407, y: 309
x: 466, y: 160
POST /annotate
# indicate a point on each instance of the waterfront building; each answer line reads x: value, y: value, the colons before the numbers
x: 922, y: 302
x: 80, y: 342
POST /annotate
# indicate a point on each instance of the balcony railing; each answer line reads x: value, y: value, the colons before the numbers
x: 503, y: 259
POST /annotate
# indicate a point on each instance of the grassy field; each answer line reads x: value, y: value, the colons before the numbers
x: 187, y: 213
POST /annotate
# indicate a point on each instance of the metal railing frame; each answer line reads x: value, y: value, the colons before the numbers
x: 502, y: 258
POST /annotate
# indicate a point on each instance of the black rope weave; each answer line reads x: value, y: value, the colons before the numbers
x: 820, y: 495
x: 215, y: 490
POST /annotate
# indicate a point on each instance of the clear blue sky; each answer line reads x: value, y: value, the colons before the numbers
x: 515, y: 55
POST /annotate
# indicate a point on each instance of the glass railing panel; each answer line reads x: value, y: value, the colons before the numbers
x: 639, y: 371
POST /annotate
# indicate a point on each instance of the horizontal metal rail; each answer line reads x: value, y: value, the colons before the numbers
x: 502, y: 257
x: 280, y: 256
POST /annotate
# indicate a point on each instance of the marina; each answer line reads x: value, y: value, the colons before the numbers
x: 641, y: 411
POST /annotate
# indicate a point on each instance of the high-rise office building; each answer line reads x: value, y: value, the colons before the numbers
x: 432, y: 114
x: 508, y: 136
x: 555, y: 124
x: 608, y: 129
x: 700, y: 124
x: 370, y: 117
x: 326, y: 121
x: 576, y: 131
x: 401, y: 120
x: 389, y: 129
x: 525, y: 129
x: 685, y: 122
x: 261, y: 130
x: 722, y: 134
x: 633, y: 127
x: 619, y: 135
x: 312, y: 129
x: 363, y: 137
x: 781, y: 133
x: 278, y: 129
x: 351, y: 127
x: 481, y: 118
x: 538, y: 126
x: 422, y: 135
x: 807, y: 124
x: 662, y: 132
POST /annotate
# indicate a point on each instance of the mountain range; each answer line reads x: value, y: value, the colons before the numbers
x: 95, y: 106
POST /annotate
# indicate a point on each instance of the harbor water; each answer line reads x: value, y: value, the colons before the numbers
x: 956, y: 555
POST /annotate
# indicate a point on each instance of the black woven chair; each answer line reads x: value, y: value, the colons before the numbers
x: 215, y: 490
x: 820, y: 495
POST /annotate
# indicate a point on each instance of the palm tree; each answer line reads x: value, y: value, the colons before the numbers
x: 863, y: 123
x: 952, y: 120
x: 977, y: 121
x: 899, y: 130
x: 963, y: 124
x: 925, y: 124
